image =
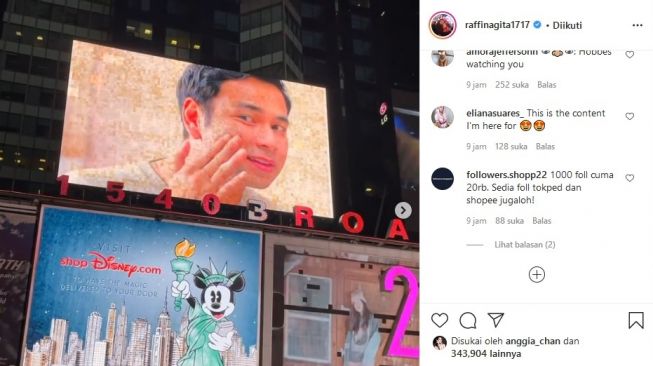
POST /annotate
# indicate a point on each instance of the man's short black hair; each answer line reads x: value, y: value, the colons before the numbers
x: 202, y: 83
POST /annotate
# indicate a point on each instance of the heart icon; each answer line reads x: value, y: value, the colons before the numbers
x: 629, y: 177
x: 630, y: 115
x: 630, y: 54
x: 439, y: 319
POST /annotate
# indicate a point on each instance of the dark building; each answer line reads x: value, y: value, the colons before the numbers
x: 360, y: 50
x: 270, y: 36
x: 354, y: 48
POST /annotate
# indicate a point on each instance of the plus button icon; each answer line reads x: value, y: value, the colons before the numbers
x: 536, y: 274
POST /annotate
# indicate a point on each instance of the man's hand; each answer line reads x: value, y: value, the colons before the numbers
x: 216, y: 170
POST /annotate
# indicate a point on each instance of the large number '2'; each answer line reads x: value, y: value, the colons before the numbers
x: 394, y: 348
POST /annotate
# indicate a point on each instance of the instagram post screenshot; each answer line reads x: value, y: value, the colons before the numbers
x: 313, y: 183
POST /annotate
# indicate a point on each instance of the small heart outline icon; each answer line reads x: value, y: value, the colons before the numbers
x: 439, y: 319
x: 630, y: 54
x: 630, y: 115
x: 630, y: 177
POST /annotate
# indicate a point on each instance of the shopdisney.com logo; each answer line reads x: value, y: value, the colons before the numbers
x: 102, y: 263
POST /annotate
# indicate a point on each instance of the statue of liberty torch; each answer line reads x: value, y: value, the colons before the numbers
x: 182, y: 265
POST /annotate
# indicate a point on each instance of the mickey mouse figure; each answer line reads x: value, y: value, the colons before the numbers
x: 209, y: 330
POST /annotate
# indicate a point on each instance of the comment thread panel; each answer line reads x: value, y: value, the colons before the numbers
x: 538, y: 169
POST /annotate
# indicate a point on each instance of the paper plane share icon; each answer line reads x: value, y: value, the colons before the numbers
x: 496, y: 318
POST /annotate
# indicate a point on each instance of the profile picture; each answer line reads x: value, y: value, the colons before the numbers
x: 442, y: 24
x: 442, y: 117
x: 439, y: 343
x: 442, y: 179
x: 442, y: 58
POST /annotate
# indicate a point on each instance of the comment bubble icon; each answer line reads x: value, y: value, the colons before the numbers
x: 468, y: 320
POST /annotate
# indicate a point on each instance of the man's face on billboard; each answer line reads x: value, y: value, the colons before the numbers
x: 256, y: 111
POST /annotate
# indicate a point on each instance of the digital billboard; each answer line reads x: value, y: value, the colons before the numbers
x: 17, y: 226
x: 341, y: 305
x: 155, y: 123
x: 120, y: 290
